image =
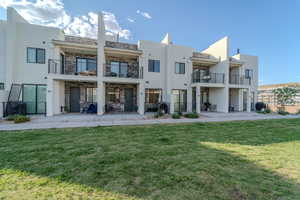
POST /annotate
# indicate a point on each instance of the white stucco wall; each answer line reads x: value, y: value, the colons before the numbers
x: 2, y: 50
x: 36, y: 37
x: 153, y: 51
x: 219, y: 96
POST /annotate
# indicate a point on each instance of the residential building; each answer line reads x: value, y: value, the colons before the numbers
x: 54, y: 73
x: 266, y: 95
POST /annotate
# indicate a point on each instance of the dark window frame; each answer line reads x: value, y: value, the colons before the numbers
x: 87, y: 63
x: 249, y: 73
x: 149, y: 91
x: 119, y: 66
x: 2, y: 86
x: 36, y: 92
x: 180, y: 71
x: 152, y: 65
x: 36, y: 55
x: 86, y: 94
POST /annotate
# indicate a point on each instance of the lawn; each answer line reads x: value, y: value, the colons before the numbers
x: 228, y: 160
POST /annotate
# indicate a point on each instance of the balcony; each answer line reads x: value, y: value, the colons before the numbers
x: 201, y: 55
x: 71, y: 68
x: 235, y: 79
x: 202, y: 77
x: 123, y: 70
x: 121, y: 45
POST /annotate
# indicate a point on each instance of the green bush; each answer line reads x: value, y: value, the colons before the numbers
x: 21, y: 119
x: 159, y: 114
x: 298, y: 112
x: 268, y: 111
x: 176, y: 116
x: 282, y: 112
x: 192, y: 115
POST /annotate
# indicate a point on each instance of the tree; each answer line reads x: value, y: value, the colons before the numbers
x: 285, y: 96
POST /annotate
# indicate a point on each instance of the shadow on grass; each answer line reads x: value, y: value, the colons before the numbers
x: 154, y: 162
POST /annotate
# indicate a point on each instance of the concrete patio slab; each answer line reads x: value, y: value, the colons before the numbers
x: 86, y: 120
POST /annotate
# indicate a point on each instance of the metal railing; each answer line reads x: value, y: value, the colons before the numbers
x: 70, y: 68
x: 202, y: 77
x: 235, y: 79
x: 13, y: 108
x: 121, y: 45
x: 128, y: 71
x: 201, y: 55
x: 120, y: 107
x: 235, y: 108
x: 151, y: 107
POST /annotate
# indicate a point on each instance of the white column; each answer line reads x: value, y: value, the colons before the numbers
x: 189, y: 99
x: 100, y: 98
x: 141, y: 98
x: 248, y: 100
x: 170, y: 97
x: 50, y: 97
x: 240, y: 99
x: 198, y: 99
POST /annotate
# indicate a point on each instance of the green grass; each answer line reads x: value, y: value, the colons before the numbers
x: 229, y: 160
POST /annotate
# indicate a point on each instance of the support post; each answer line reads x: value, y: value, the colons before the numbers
x: 198, y: 99
x: 50, y: 96
x: 100, y: 98
x: 141, y: 98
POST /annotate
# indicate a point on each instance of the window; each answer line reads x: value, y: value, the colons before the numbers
x: 36, y: 55
x: 113, y: 95
x: 180, y: 68
x: 180, y: 100
x: 91, y: 96
x: 249, y: 73
x: 86, y: 64
x: 119, y: 69
x: 34, y: 96
x: 1, y: 86
x: 153, y: 66
x: 153, y: 96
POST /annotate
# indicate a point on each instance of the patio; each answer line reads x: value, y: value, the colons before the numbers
x: 90, y: 120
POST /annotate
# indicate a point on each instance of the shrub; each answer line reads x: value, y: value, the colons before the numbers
x: 176, y: 116
x: 268, y: 111
x: 282, y: 112
x: 191, y: 115
x: 159, y: 114
x: 21, y: 119
x: 298, y: 112
x: 259, y: 106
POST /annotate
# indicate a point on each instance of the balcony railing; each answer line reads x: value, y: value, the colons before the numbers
x: 126, y: 71
x: 69, y: 68
x: 202, y: 77
x: 201, y: 55
x: 121, y: 45
x: 235, y: 79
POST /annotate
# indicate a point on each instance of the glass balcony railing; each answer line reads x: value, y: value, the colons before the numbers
x: 123, y: 71
x: 200, y: 77
x: 235, y: 79
x: 88, y: 68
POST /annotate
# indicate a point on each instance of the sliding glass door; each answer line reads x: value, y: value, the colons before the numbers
x: 180, y: 100
x: 35, y: 98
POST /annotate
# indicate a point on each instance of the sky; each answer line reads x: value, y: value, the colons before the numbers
x: 269, y: 29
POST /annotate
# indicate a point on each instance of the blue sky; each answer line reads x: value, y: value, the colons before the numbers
x: 269, y: 29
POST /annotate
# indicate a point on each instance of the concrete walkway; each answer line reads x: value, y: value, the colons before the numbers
x: 86, y: 120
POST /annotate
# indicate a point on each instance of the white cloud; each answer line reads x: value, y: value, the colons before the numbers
x: 53, y: 13
x: 144, y: 14
x: 131, y: 20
